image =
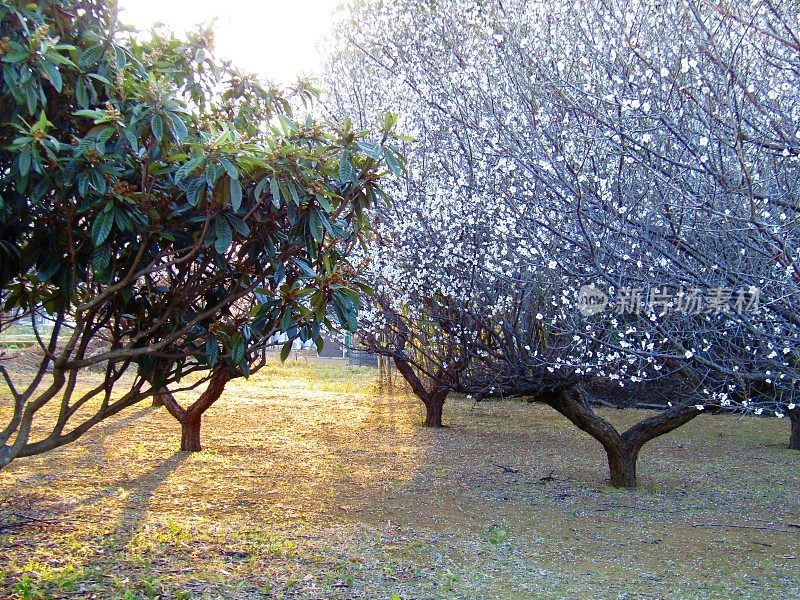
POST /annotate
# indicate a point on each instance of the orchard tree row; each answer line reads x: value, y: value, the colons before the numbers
x: 596, y: 192
x: 643, y: 153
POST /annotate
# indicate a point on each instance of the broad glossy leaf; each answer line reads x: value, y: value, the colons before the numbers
x: 90, y: 56
x: 315, y: 225
x: 24, y: 162
x: 212, y: 352
x: 371, y: 150
x: 238, y: 350
x: 346, y: 170
x: 232, y: 171
x: 157, y: 127
x: 275, y: 190
x: 260, y: 188
x: 16, y: 56
x: 53, y: 75
x: 101, y: 258
x: 236, y: 194
x: 238, y: 224
x: 224, y: 234
x: 101, y: 228
x: 179, y: 127
x: 393, y: 162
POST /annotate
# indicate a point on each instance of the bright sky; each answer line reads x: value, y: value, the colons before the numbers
x: 275, y: 38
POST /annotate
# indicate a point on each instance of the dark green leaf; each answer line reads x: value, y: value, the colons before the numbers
x: 275, y: 190
x: 122, y: 220
x: 157, y: 127
x: 238, y: 224
x: 188, y: 167
x: 323, y: 202
x: 16, y: 56
x: 260, y: 188
x: 286, y: 350
x: 346, y: 170
x: 371, y: 150
x: 81, y: 93
x: 315, y: 225
x: 181, y: 132
x: 101, y: 227
x: 236, y: 194
x: 101, y: 258
x: 90, y: 56
x: 25, y: 162
x: 53, y: 75
x: 212, y: 352
x: 293, y: 192
x: 120, y: 58
x: 286, y: 321
x: 393, y: 162
x: 238, y: 351
x: 232, y: 171
x: 305, y: 267
x: 224, y: 235
x: 288, y: 124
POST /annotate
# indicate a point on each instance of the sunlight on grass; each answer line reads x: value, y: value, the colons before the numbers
x: 334, y: 376
x: 312, y: 484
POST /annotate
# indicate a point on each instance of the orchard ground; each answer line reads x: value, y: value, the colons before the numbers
x: 316, y: 484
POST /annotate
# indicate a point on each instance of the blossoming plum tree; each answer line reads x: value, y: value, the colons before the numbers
x: 648, y: 150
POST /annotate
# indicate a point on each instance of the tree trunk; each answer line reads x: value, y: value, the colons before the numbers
x: 622, y: 467
x: 433, y: 400
x: 189, y: 418
x: 794, y: 420
x: 384, y: 375
x: 190, y: 434
x: 622, y: 449
x: 434, y: 406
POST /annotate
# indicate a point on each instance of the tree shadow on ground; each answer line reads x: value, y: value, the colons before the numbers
x: 141, y: 491
x: 56, y: 463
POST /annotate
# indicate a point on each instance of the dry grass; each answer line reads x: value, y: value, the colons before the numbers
x: 313, y: 484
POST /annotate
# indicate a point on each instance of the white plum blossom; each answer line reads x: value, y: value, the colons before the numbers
x: 549, y: 155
